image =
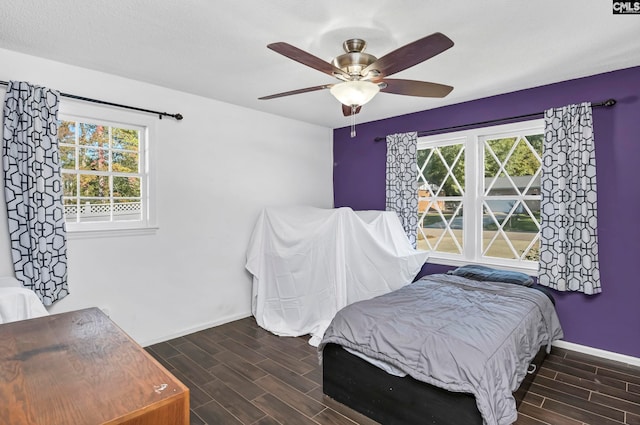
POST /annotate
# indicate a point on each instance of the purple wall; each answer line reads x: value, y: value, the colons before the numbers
x: 608, y: 321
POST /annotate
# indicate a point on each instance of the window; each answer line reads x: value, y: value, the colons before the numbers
x: 479, y: 195
x: 105, y: 173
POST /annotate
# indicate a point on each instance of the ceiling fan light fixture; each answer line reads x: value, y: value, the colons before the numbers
x: 354, y: 92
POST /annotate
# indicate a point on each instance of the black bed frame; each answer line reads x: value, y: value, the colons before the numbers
x: 391, y: 400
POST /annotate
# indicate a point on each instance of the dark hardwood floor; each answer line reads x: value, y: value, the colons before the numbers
x: 239, y: 373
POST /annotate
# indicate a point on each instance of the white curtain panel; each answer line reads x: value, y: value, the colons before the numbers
x: 33, y: 190
x: 569, y: 230
x: 402, y: 181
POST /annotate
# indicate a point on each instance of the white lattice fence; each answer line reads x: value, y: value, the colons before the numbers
x: 103, y: 209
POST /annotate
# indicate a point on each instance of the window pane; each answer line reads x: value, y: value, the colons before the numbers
x: 93, y: 159
x: 520, y: 163
x: 501, y: 148
x: 94, y: 186
x: 67, y: 132
x: 69, y: 184
x: 126, y: 186
x: 441, y: 226
x: 523, y: 161
x: 443, y: 169
x: 510, y: 228
x: 127, y: 209
x: 125, y: 139
x: 533, y: 254
x: 498, y: 246
x: 124, y: 162
x: 94, y: 135
x: 68, y: 157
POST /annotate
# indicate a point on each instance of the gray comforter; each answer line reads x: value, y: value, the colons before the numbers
x: 458, y: 334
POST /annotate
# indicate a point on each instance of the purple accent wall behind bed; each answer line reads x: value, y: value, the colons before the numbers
x: 608, y: 321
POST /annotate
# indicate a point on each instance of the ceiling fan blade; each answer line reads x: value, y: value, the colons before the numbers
x: 346, y: 110
x: 410, y: 54
x: 299, y: 91
x: 415, y: 88
x: 305, y: 58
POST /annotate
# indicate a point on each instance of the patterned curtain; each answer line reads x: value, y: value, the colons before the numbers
x: 568, y: 211
x: 402, y: 181
x: 33, y: 190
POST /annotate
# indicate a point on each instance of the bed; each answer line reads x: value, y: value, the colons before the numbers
x: 444, y: 350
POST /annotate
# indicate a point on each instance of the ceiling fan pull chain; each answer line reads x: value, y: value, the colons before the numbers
x: 353, y: 121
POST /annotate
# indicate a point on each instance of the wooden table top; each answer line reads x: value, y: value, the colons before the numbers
x: 78, y: 368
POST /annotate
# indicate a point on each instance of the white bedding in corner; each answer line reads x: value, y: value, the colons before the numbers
x: 18, y: 303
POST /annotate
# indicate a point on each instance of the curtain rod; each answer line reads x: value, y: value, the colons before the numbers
x: 607, y: 103
x: 117, y: 105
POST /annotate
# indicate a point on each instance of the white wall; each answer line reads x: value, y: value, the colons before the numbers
x: 224, y: 163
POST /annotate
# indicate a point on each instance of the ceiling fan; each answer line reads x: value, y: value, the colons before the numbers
x: 363, y: 75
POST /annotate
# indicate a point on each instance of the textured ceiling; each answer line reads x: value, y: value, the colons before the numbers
x: 217, y: 48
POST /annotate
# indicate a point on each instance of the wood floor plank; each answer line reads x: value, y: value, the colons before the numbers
x: 315, y: 375
x: 298, y: 382
x: 547, y: 416
x: 563, y: 368
x: 164, y: 349
x: 528, y: 420
x: 291, y: 396
x: 267, y: 420
x: 197, y: 397
x: 599, y: 388
x: 191, y: 369
x: 198, y: 355
x: 533, y: 398
x: 205, y: 343
x: 213, y: 413
x: 582, y: 415
x: 240, y: 365
x: 237, y: 405
x: 237, y: 382
x: 281, y: 411
x: 615, y: 402
x: 160, y: 359
x: 579, y: 403
x: 331, y: 417
x: 563, y: 387
x: 632, y: 419
x: 194, y: 419
x: 571, y: 363
x: 545, y: 371
x: 623, y: 377
x: 242, y: 351
x: 297, y: 352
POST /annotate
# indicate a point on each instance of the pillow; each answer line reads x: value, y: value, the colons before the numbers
x: 488, y: 274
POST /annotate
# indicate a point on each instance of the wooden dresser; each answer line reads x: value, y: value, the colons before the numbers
x: 79, y: 368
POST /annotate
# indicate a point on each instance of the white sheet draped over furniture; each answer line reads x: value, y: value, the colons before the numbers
x: 18, y: 303
x: 308, y: 263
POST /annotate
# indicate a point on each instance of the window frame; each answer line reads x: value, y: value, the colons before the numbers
x: 77, y: 111
x: 473, y: 197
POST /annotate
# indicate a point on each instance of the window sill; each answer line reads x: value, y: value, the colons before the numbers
x: 111, y: 233
x: 530, y: 270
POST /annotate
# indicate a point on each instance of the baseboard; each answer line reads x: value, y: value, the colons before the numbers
x: 623, y: 358
x: 200, y: 327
